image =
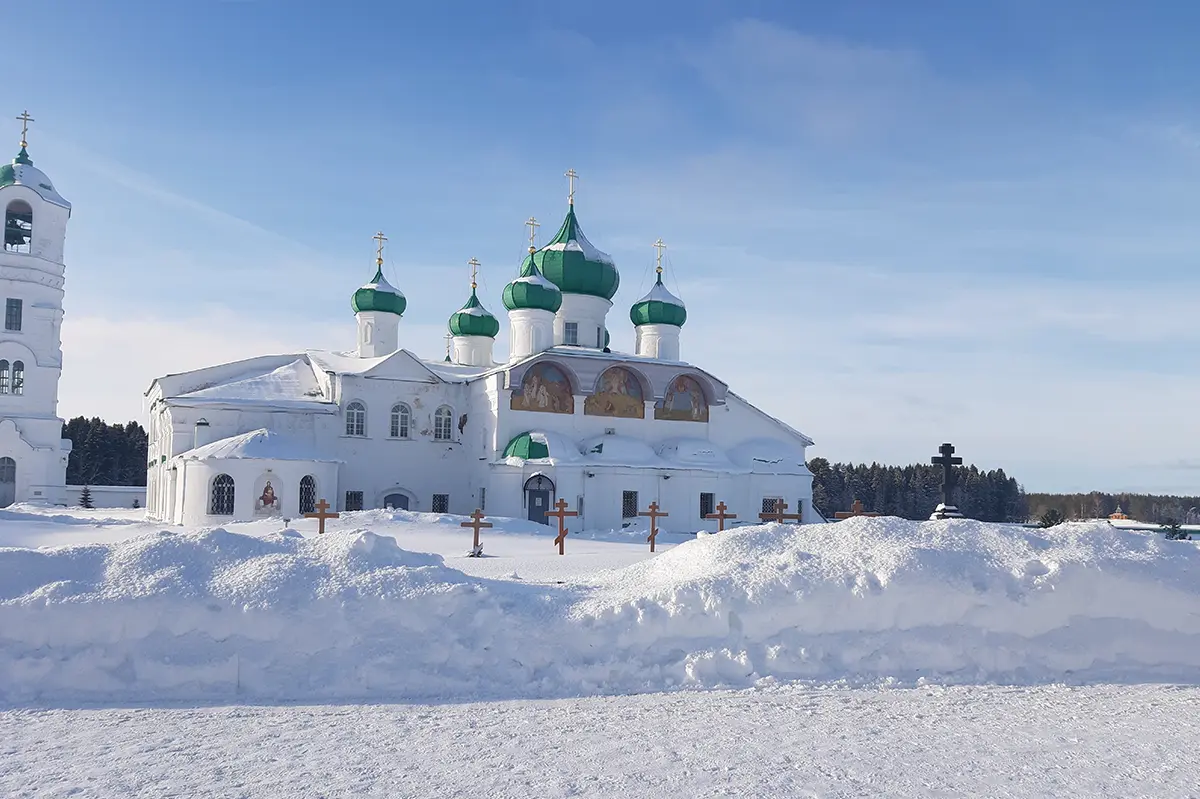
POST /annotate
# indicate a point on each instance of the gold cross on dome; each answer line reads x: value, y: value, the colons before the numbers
x: 572, y: 176
x: 380, y: 238
x: 24, y: 119
x: 533, y: 225
x: 474, y: 264
x: 658, y: 245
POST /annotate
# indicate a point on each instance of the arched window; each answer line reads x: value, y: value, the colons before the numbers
x: 443, y: 419
x: 308, y: 494
x: 356, y: 419
x: 18, y: 226
x: 220, y: 501
x: 18, y: 377
x: 3, y: 377
x: 401, y: 419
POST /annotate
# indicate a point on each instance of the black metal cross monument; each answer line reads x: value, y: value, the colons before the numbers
x: 947, y: 460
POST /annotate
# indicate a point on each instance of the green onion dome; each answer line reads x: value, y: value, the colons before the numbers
x: 570, y: 262
x: 379, y: 295
x: 528, y: 446
x: 659, y: 307
x: 473, y: 319
x: 532, y: 290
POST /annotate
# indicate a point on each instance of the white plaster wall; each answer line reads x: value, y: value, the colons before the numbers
x: 108, y: 496
x: 194, y: 482
x: 658, y: 341
x: 531, y: 330
x: 473, y: 350
x: 378, y: 333
x: 590, y: 313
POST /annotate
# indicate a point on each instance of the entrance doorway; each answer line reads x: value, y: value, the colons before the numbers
x: 538, y: 491
x: 396, y: 501
x: 8, y: 482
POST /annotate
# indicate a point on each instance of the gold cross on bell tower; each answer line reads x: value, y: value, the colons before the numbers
x: 572, y: 176
x: 474, y: 264
x: 533, y: 225
x: 658, y: 245
x: 24, y: 119
x: 379, y: 239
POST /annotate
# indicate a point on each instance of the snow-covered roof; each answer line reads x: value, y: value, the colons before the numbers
x: 291, y: 383
x: 769, y: 455
x: 621, y: 450
x: 22, y: 172
x: 580, y: 244
x: 631, y: 453
x: 698, y: 452
x: 261, y: 444
x: 659, y: 293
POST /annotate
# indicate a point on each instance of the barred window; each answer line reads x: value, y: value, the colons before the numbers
x: 356, y: 419
x: 354, y: 500
x: 443, y: 423
x: 12, y: 314
x: 221, y: 496
x: 401, y: 418
x: 3, y: 377
x: 482, y: 499
x: 440, y: 504
x: 769, y: 503
x: 629, y: 504
x: 708, y: 504
x: 308, y: 494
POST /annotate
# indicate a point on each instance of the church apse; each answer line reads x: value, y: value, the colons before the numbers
x: 683, y: 402
x: 546, y: 389
x: 618, y: 394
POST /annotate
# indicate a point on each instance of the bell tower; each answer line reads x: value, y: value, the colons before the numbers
x: 33, y: 453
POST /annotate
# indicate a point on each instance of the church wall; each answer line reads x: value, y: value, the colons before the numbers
x: 193, y: 492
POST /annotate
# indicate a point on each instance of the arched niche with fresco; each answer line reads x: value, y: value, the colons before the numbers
x: 618, y: 393
x: 684, y: 401
x: 545, y: 388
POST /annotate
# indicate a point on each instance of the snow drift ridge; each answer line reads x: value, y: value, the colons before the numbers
x: 219, y: 616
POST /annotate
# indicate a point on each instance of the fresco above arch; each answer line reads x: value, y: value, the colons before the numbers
x: 683, y: 402
x: 545, y: 389
x: 619, y: 394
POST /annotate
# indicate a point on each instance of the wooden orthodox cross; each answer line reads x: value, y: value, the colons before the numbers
x: 721, y: 516
x: 947, y: 461
x: 561, y: 513
x: 655, y: 514
x: 778, y: 515
x: 321, y: 516
x: 477, y: 521
x: 855, y: 510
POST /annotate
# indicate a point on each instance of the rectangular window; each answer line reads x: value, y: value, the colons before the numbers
x: 483, y: 499
x: 768, y: 504
x: 354, y: 500
x: 441, y: 503
x: 629, y: 505
x: 599, y: 338
x: 570, y: 333
x: 708, y: 504
x: 12, y: 314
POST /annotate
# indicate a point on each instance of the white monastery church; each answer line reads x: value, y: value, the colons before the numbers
x: 560, y: 417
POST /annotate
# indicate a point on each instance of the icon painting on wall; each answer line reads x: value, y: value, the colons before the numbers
x: 683, y: 402
x: 544, y: 388
x: 267, y: 502
x: 619, y: 394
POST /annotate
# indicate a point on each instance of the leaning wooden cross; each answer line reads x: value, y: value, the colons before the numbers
x: 321, y: 516
x: 855, y: 510
x: 477, y: 521
x: 561, y: 513
x: 655, y: 514
x: 721, y: 516
x: 778, y: 515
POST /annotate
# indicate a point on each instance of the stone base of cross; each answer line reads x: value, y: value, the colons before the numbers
x: 944, y: 511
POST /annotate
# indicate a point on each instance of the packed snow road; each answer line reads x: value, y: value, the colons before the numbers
x: 1051, y: 741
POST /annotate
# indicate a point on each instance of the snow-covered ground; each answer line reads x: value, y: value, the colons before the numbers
x: 871, y: 657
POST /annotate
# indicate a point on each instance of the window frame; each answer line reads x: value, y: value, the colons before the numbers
x: 4, y: 373
x: 312, y: 506
x: 356, y: 409
x: 448, y: 417
x: 400, y: 421
x: 353, y: 498
x: 712, y: 504
x: 443, y: 499
x: 217, y: 490
x: 571, y: 334
x: 18, y: 378
x: 19, y: 214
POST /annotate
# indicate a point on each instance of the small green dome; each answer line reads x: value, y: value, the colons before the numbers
x: 659, y: 307
x: 570, y: 262
x: 532, y: 290
x: 379, y: 295
x: 527, y: 448
x: 474, y: 320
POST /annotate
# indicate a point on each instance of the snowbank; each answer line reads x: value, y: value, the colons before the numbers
x: 220, y: 616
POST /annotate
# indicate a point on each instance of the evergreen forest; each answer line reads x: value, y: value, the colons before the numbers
x: 105, y: 454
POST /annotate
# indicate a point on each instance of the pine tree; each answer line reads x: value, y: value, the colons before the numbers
x: 1051, y: 518
x: 85, y: 498
x: 1174, y: 531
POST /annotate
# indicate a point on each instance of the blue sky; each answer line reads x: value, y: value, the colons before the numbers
x: 894, y: 223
